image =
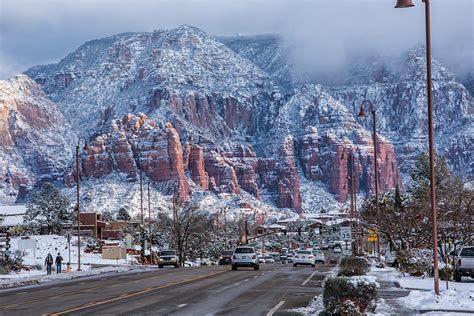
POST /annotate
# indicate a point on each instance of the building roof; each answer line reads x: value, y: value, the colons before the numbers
x: 12, y: 215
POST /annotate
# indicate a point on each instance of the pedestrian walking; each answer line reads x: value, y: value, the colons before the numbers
x: 49, y: 263
x: 59, y: 261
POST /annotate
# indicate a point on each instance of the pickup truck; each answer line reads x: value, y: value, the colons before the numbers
x: 464, y: 263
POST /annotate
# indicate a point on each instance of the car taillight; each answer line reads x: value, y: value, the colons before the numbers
x: 459, y: 262
x: 254, y: 256
x: 310, y: 257
x: 234, y: 257
x: 296, y: 257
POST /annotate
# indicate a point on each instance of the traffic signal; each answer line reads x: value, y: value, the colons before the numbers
x: 299, y: 231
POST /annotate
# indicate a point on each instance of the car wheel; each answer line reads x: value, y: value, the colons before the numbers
x: 160, y: 266
x: 256, y: 267
x: 294, y: 264
x: 176, y: 265
x: 234, y: 267
x: 457, y: 277
x: 313, y: 265
x: 323, y: 262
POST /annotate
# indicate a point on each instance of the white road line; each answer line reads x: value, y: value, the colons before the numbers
x: 309, y: 278
x: 246, y: 280
x: 181, y: 305
x: 255, y: 276
x: 275, y: 308
x: 237, y: 283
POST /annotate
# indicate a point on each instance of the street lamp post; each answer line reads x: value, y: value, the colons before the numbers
x: 362, y: 113
x: 407, y: 4
x: 78, y: 216
x: 149, y: 208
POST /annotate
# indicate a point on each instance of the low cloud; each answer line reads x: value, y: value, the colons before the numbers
x: 323, y: 35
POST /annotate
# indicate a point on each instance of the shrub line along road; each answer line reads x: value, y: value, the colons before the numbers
x: 189, y: 291
x: 215, y: 290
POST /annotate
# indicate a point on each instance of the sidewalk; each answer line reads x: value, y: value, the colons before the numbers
x: 35, y: 277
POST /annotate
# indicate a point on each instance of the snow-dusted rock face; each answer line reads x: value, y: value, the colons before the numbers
x: 35, y: 139
x: 402, y: 111
x: 179, y: 75
x: 225, y: 116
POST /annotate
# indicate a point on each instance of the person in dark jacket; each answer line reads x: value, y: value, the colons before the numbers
x: 48, y: 263
x: 59, y: 261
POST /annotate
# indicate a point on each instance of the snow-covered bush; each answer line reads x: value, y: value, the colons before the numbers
x: 93, y: 246
x: 351, y: 266
x: 350, y: 296
x: 415, y: 262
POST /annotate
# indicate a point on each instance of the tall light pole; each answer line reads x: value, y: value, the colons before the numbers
x: 78, y: 216
x: 149, y: 207
x: 351, y: 181
x: 362, y: 113
x: 142, y: 245
x: 429, y: 88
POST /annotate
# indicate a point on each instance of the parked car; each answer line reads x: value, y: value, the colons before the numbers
x: 168, y: 258
x: 319, y: 257
x: 337, y: 250
x: 324, y: 247
x: 464, y: 263
x: 245, y: 257
x: 226, y: 257
x: 284, y: 255
x: 304, y: 257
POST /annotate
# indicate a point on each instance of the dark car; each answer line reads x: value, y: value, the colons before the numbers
x: 226, y: 257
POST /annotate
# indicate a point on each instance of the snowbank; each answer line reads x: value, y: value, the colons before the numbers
x: 447, y: 301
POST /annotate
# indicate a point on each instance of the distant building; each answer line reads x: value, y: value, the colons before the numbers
x: 11, y: 215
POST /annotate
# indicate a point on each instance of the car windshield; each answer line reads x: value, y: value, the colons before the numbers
x: 227, y: 253
x: 304, y: 252
x: 268, y: 257
x: 244, y: 250
x: 467, y: 252
x: 168, y: 253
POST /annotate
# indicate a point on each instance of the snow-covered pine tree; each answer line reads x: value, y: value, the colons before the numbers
x: 48, y: 210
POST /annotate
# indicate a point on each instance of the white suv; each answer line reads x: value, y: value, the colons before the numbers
x: 304, y: 257
x: 245, y: 257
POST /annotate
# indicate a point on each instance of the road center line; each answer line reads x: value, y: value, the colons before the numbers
x: 181, y: 305
x: 132, y: 294
x: 309, y: 278
x: 275, y: 308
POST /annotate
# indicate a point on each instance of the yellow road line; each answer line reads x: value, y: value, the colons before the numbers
x: 132, y: 294
x: 73, y: 292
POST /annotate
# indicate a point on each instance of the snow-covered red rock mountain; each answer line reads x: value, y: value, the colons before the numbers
x: 35, y: 138
x: 186, y: 109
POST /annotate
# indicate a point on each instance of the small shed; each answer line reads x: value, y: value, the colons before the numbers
x: 114, y: 252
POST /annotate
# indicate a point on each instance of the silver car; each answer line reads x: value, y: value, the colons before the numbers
x: 245, y: 256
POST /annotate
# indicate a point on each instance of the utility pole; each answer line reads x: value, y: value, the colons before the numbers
x: 142, y: 242
x: 225, y: 226
x: 78, y: 216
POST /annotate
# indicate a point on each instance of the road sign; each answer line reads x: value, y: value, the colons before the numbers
x: 372, y: 238
x: 346, y: 233
x: 24, y: 244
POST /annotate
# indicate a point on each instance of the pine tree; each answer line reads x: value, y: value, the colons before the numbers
x: 49, y: 209
x: 123, y: 214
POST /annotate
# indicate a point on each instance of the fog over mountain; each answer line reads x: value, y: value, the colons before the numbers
x: 322, y: 37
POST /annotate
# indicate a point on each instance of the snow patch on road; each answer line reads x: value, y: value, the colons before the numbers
x: 314, y: 307
x: 448, y: 301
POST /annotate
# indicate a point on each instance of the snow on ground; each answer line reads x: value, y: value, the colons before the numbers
x: 458, y: 297
x: 91, y: 263
x: 314, y: 307
x: 58, y: 244
x: 448, y: 301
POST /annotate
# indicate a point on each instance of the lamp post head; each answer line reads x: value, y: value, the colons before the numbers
x: 404, y: 4
x: 362, y: 112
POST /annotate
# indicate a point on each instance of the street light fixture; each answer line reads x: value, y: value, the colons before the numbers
x: 78, y: 201
x: 407, y: 4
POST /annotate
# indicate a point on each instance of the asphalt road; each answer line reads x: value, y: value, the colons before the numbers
x: 214, y: 290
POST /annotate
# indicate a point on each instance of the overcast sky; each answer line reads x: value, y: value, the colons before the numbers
x: 321, y: 33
